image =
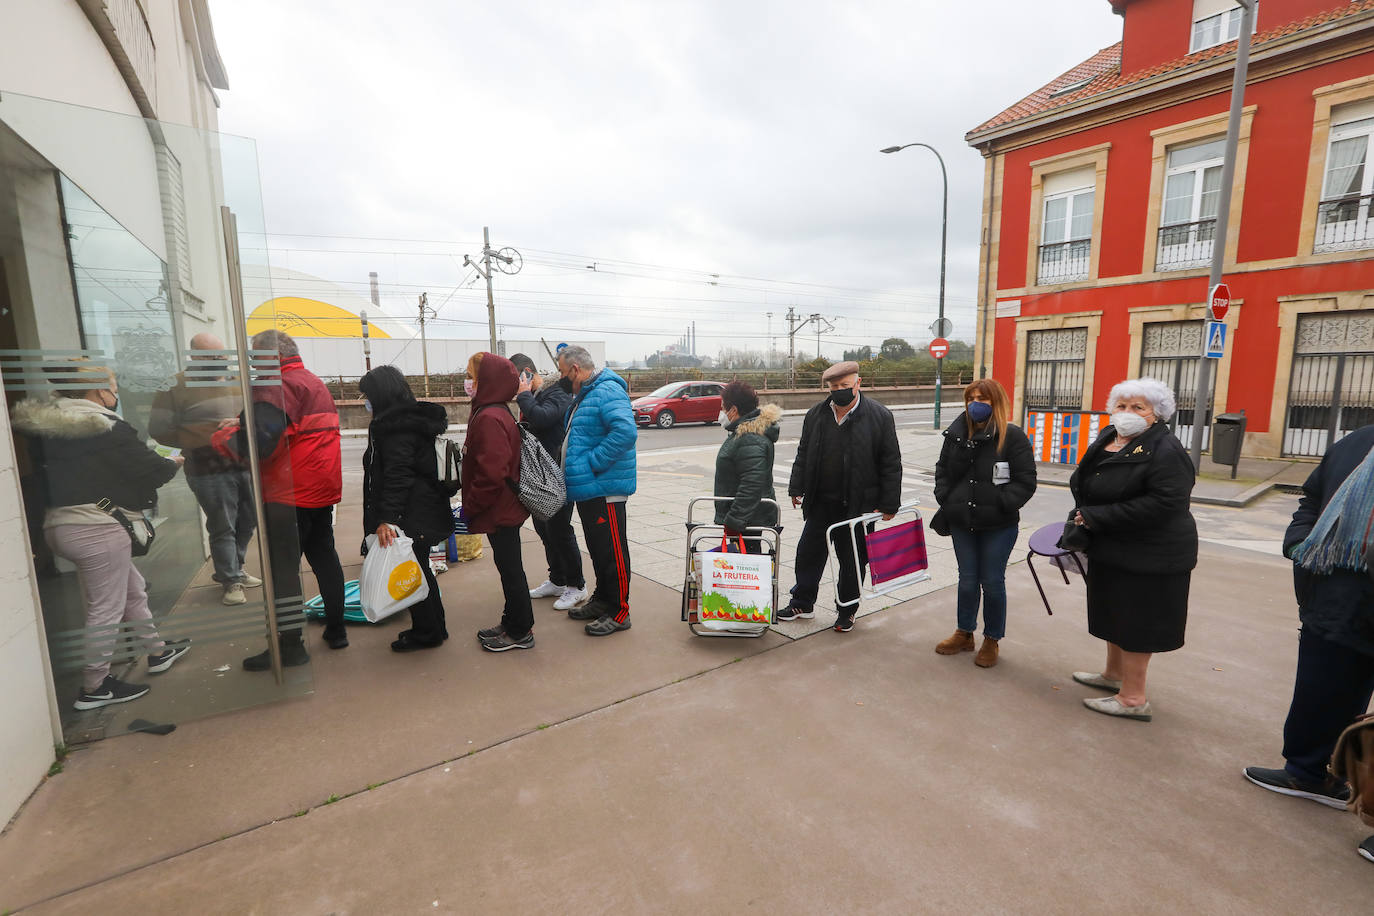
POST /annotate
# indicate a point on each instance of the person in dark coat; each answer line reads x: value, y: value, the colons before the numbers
x: 543, y: 409
x: 1330, y: 543
x: 848, y: 464
x: 401, y: 490
x: 985, y: 474
x: 744, y: 464
x: 491, y: 468
x: 1132, y: 491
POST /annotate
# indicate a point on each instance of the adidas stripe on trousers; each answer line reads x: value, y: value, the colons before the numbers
x: 603, y: 528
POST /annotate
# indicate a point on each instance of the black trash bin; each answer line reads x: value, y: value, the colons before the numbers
x: 1228, y: 436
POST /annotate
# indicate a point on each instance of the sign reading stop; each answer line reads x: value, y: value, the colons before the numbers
x: 939, y: 348
x: 1219, y: 300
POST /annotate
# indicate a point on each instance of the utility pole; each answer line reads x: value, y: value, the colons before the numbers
x: 817, y: 318
x: 377, y: 304
x: 425, y: 313
x: 768, y: 357
x: 1203, y: 395
x: 508, y: 261
x: 791, y: 348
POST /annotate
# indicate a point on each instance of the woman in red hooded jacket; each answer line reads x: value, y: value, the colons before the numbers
x: 491, y: 468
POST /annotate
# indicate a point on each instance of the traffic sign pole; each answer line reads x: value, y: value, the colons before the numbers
x: 939, y: 348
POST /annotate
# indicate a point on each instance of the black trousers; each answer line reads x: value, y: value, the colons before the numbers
x: 518, y: 615
x: 603, y: 527
x: 560, y: 548
x: 427, y: 622
x: 294, y: 531
x: 812, y: 555
x: 1333, y: 685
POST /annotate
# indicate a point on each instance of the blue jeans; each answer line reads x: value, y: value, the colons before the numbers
x: 230, y: 519
x: 982, y: 557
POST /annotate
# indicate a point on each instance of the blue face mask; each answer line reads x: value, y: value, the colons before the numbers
x: 979, y: 411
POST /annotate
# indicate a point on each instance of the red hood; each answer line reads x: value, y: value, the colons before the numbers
x: 497, y: 380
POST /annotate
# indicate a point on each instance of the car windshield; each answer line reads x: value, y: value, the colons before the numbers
x: 666, y: 390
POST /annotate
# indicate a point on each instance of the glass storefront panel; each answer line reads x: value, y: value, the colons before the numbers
x: 114, y: 277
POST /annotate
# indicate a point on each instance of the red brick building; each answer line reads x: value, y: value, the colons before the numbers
x: 1100, y: 200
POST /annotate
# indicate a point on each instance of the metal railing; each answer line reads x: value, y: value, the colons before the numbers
x: 1343, y: 224
x: 1064, y: 262
x: 1183, y: 246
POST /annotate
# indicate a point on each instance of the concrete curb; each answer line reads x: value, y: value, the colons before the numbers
x: 1230, y: 502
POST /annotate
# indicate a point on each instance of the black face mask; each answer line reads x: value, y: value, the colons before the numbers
x: 842, y: 397
x: 566, y: 384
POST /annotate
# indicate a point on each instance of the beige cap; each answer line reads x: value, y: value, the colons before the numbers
x: 840, y: 370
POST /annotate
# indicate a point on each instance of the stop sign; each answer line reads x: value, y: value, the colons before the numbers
x: 939, y: 347
x: 1219, y: 300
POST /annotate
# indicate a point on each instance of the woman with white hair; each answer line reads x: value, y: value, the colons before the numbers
x: 1132, y: 490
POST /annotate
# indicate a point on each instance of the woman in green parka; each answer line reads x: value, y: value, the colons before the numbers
x: 744, y: 464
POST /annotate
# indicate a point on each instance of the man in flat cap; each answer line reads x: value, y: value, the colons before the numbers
x: 848, y: 464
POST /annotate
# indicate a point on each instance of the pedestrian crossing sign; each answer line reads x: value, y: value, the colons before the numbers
x: 1216, y: 340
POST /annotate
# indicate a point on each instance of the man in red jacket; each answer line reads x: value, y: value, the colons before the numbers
x: 297, y: 431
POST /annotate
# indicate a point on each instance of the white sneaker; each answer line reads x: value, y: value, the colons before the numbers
x: 233, y: 594
x: 248, y: 581
x: 547, y: 590
x: 570, y: 598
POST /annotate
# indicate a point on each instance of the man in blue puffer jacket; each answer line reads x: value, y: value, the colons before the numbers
x: 598, y: 458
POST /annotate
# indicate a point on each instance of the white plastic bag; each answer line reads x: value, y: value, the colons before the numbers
x: 392, y: 579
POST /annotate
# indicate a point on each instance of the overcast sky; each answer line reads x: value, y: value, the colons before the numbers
x: 662, y: 142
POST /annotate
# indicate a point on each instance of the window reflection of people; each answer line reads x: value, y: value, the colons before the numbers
x: 94, y: 469
x: 401, y: 487
x: 1132, y: 489
x: 185, y: 417
x: 297, y: 436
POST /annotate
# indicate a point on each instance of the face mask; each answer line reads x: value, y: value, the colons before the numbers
x: 367, y: 405
x: 1129, y: 424
x: 724, y: 418
x: 842, y: 397
x: 979, y: 411
x: 566, y: 384
x: 469, y: 386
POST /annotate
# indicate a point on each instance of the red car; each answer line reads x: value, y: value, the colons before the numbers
x: 679, y: 402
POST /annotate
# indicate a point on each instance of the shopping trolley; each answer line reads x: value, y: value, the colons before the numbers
x: 706, y: 537
x: 896, y: 553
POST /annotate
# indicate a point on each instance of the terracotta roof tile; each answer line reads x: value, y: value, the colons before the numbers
x: 1102, y: 71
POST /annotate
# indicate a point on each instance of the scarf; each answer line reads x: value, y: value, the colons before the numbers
x: 1338, y: 539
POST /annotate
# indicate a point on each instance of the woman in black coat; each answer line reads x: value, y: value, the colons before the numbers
x: 1132, y: 490
x: 985, y: 474
x: 401, y: 487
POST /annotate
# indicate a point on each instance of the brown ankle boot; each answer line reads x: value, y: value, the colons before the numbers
x: 961, y: 641
x: 987, y: 654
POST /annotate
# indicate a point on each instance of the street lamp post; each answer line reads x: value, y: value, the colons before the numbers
x: 944, y: 236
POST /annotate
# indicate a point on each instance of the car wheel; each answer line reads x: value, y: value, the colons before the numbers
x: 666, y: 420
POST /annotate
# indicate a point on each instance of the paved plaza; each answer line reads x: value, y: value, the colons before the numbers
x: 653, y: 771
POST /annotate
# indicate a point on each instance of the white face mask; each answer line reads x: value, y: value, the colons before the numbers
x: 367, y: 405
x: 1129, y: 424
x: 724, y: 418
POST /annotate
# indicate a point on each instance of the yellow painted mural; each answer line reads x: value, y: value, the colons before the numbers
x: 309, y: 318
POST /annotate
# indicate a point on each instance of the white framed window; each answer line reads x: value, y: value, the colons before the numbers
x: 1066, y: 228
x: 1192, y: 191
x: 1217, y: 22
x: 1343, y: 215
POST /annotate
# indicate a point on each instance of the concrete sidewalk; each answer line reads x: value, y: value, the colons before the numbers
x: 649, y: 773
x: 655, y: 771
x: 1254, y: 478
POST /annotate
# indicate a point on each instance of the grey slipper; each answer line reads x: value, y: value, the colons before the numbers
x: 1096, y: 680
x: 1111, y: 706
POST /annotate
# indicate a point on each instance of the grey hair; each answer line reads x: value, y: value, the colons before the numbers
x: 1153, y: 390
x: 578, y: 356
x: 272, y: 339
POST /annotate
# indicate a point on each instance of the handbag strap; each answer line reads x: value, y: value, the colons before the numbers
x: 725, y: 544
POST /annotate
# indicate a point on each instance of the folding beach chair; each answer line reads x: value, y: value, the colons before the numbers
x: 896, y: 553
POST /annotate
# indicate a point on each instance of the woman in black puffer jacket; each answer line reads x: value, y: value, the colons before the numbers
x: 401, y: 487
x: 744, y: 464
x: 985, y: 474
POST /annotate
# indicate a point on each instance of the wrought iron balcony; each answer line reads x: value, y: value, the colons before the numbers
x: 1184, y: 246
x: 1064, y: 262
x: 1343, y: 224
